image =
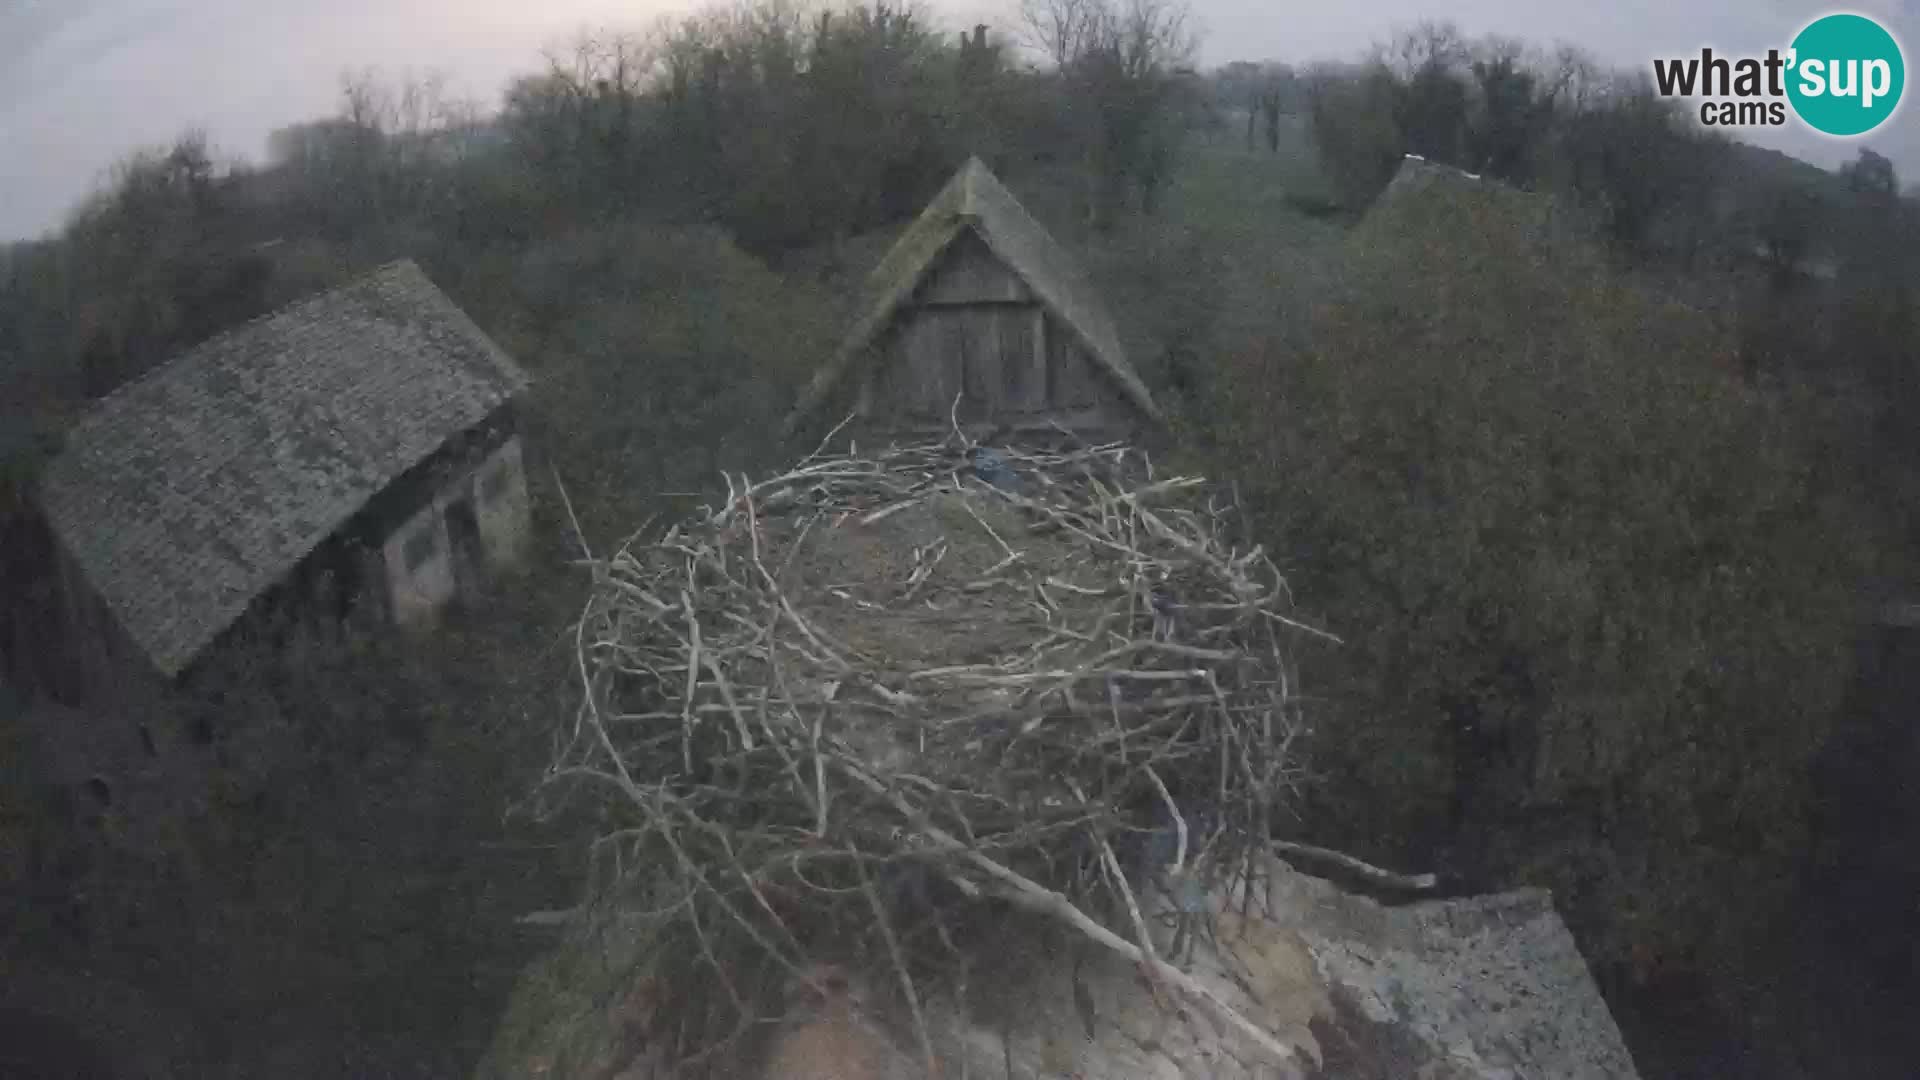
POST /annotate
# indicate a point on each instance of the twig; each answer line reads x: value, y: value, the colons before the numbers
x: 1410, y: 882
x: 822, y: 448
x: 554, y: 917
x: 899, y: 964
x: 1024, y: 892
x: 1004, y: 546
x: 840, y: 769
x: 579, y: 535
x: 1179, y: 821
x: 693, y: 675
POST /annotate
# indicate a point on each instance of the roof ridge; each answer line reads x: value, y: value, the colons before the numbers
x: 973, y: 198
x: 970, y: 172
x: 297, y: 304
x: 94, y: 407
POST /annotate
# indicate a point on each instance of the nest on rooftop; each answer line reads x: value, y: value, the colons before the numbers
x: 864, y: 704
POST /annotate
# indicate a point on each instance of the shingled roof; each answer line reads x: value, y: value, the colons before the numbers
x: 1417, y: 173
x: 1419, y: 180
x: 974, y: 199
x: 184, y: 495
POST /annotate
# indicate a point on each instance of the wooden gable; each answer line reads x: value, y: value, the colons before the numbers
x: 968, y: 272
x: 976, y: 304
x: 975, y: 329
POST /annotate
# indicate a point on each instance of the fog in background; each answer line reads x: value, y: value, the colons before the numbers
x: 82, y: 82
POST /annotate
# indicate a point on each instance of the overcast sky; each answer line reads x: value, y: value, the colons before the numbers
x: 84, y: 81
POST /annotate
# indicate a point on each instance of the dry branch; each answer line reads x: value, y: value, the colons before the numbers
x: 782, y: 774
x: 1364, y: 870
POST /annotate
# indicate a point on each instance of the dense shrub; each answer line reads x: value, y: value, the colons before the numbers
x: 1642, y: 164
x: 784, y: 126
x: 1632, y: 158
x: 1354, y: 129
x: 661, y: 356
x: 1597, y: 603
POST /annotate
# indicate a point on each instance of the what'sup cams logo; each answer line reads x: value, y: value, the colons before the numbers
x: 1843, y: 75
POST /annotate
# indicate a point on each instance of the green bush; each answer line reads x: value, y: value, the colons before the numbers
x: 1596, y: 605
x: 663, y: 355
x: 1354, y: 129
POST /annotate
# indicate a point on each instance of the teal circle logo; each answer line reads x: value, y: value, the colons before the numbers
x: 1846, y: 76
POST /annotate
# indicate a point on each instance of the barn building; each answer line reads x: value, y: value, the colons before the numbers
x: 356, y: 450
x: 977, y: 310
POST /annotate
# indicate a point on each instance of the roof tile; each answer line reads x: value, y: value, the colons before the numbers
x: 187, y: 493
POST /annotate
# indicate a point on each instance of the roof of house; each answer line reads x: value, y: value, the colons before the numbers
x: 184, y: 495
x: 975, y: 200
x: 1421, y: 187
x: 1416, y: 173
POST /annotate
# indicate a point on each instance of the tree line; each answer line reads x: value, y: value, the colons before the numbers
x: 1817, y: 269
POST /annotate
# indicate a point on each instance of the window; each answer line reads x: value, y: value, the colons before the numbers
x: 420, y: 547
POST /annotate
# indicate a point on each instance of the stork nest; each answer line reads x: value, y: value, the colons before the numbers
x: 863, y: 704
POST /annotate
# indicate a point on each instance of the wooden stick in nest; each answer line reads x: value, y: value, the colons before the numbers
x: 1023, y: 892
x: 777, y: 785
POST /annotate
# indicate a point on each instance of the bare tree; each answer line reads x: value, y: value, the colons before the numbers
x: 603, y: 63
x: 1276, y: 91
x: 1126, y: 69
x: 1424, y: 46
x: 1575, y: 80
x: 1153, y: 37
x: 386, y: 144
x: 1235, y: 87
x: 365, y: 100
x: 1062, y: 30
x: 1147, y: 36
x: 1872, y: 175
x: 578, y: 118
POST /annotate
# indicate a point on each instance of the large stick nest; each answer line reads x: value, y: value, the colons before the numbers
x: 865, y: 701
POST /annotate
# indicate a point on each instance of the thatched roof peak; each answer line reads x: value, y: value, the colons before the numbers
x: 975, y: 200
